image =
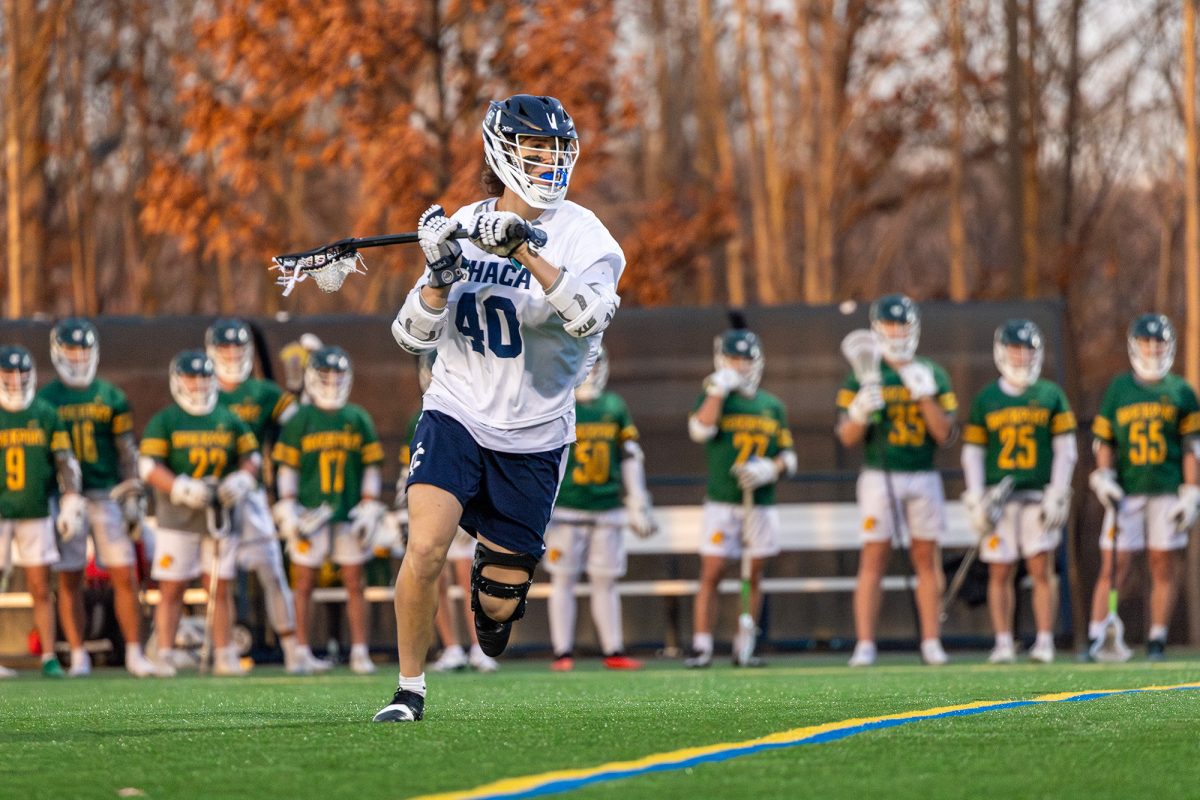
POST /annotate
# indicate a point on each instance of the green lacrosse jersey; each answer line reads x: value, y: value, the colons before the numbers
x: 259, y: 404
x: 208, y: 446
x: 899, y: 441
x: 94, y: 417
x: 330, y: 450
x: 1017, y: 432
x: 593, y: 479
x: 28, y: 441
x: 747, y: 426
x: 1146, y: 425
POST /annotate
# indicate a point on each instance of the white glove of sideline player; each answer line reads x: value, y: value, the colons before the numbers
x: 365, y: 518
x: 72, y: 516
x: 401, y: 500
x: 1187, y: 508
x: 640, y: 516
x: 722, y: 382
x: 1056, y: 507
x: 755, y: 472
x: 918, y: 379
x: 190, y: 492
x: 287, y: 517
x: 1104, y: 485
x: 235, y: 486
x: 867, y: 401
x: 130, y: 495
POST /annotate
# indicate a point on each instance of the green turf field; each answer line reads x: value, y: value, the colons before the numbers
x: 275, y: 736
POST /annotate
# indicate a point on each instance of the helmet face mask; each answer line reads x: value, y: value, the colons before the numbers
x: 18, y: 378
x: 531, y: 144
x: 896, y: 324
x: 328, y: 378
x: 194, y: 383
x: 740, y: 350
x: 1151, y: 344
x: 597, y: 378
x: 1018, y: 351
x: 228, y: 344
x: 75, y: 352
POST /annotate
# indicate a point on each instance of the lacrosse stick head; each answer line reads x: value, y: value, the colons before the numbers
x: 746, y: 636
x: 1110, y: 648
x: 861, y: 350
x: 329, y: 268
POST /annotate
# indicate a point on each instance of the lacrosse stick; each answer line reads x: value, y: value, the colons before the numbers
x: 994, y: 498
x: 862, y: 351
x: 1110, y: 647
x: 747, y: 630
x: 218, y: 523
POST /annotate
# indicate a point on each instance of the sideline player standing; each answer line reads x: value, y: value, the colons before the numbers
x: 1023, y: 428
x: 516, y: 327
x: 588, y: 526
x: 264, y: 407
x: 35, y: 447
x: 898, y: 481
x: 748, y: 446
x: 1146, y: 468
x: 329, y: 454
x: 96, y: 415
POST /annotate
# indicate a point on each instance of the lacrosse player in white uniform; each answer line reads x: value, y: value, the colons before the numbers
x: 516, y: 314
x: 900, y: 422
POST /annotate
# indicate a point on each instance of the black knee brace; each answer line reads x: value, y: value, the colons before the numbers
x: 504, y: 591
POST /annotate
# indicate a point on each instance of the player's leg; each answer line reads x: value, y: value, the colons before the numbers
x: 452, y: 657
x: 306, y: 556
x: 226, y: 659
x: 6, y: 536
x: 762, y: 537
x: 350, y: 555
x: 462, y: 557
x: 34, y: 550
x: 116, y: 553
x: 926, y: 517
x: 720, y: 541
x: 166, y: 625
x: 71, y: 614
x: 566, y: 545
x: 1164, y: 548
x: 999, y: 551
x: 1038, y: 545
x: 1128, y: 530
x: 260, y: 552
x: 176, y: 564
x: 876, y: 537
x: 606, y: 564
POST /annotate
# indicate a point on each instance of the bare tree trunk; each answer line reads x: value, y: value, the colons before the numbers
x: 957, y: 232
x: 1029, y: 159
x: 654, y: 173
x: 774, y: 179
x: 1066, y: 237
x: 12, y: 154
x: 763, y: 267
x: 1013, y: 106
x: 808, y: 146
x: 1192, y: 271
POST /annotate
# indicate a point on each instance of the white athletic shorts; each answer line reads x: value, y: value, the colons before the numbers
x: 31, y: 542
x: 259, y: 547
x: 1019, y: 533
x: 184, y: 556
x: 106, y: 525
x: 313, y: 551
x: 462, y: 548
x: 723, y: 530
x: 919, y: 495
x: 594, y: 538
x: 1139, y: 514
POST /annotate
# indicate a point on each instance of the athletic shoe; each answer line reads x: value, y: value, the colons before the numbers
x: 5, y: 672
x: 81, y: 667
x: 361, y: 664
x: 164, y: 669
x: 229, y: 667
x: 52, y: 669
x: 698, y: 659
x: 138, y: 665
x: 932, y: 653
x: 1042, y: 653
x: 562, y: 664
x: 1156, y: 649
x: 621, y: 661
x: 754, y: 662
x: 864, y: 655
x: 452, y: 659
x: 1004, y: 654
x: 406, y: 706
x: 481, y: 661
x: 492, y: 635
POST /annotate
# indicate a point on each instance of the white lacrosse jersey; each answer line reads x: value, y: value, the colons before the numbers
x: 505, y: 367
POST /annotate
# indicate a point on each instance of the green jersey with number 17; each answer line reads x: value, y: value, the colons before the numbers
x: 1017, y: 432
x: 593, y: 479
x: 747, y: 426
x: 330, y: 450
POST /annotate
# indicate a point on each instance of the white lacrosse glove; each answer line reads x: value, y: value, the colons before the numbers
x: 443, y: 253
x: 977, y: 513
x: 364, y: 518
x: 1187, y: 508
x: 640, y: 516
x: 401, y: 500
x: 235, y: 486
x: 722, y: 382
x: 72, y: 516
x: 190, y: 492
x: 500, y: 232
x: 867, y: 401
x: 286, y: 514
x: 1056, y: 507
x: 918, y: 379
x: 755, y: 472
x: 1104, y: 485
x: 130, y: 495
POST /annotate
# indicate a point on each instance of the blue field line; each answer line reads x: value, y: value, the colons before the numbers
x: 570, y: 780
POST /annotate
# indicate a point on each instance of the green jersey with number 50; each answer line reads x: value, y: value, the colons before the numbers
x: 747, y: 426
x: 899, y: 441
x: 1146, y: 425
x: 593, y: 479
x: 94, y: 417
x: 28, y: 441
x: 330, y: 450
x: 1018, y: 432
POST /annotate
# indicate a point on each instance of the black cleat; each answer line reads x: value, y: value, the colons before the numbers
x: 1156, y: 649
x: 492, y: 635
x: 406, y: 706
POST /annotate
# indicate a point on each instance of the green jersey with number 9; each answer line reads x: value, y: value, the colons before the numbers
x: 28, y: 440
x: 747, y: 426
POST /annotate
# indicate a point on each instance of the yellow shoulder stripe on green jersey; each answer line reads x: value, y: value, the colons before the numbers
x: 246, y: 443
x: 122, y: 423
x: 372, y: 453
x: 286, y: 455
x: 844, y: 398
x: 1062, y: 423
x: 1102, y: 428
x: 1190, y: 424
x: 974, y: 434
x: 155, y: 448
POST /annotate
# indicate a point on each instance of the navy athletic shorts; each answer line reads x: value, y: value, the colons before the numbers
x: 507, y: 497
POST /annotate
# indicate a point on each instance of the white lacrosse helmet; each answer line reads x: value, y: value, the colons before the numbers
x: 194, y: 383
x: 228, y: 344
x: 328, y: 378
x: 1018, y: 351
x: 18, y: 378
x: 75, y: 352
x: 1151, y: 347
x: 740, y: 350
x: 896, y: 323
x: 597, y: 378
x: 538, y: 171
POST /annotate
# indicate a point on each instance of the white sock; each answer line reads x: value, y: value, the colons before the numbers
x: 1004, y: 639
x: 453, y: 650
x: 561, y: 610
x: 416, y: 684
x: 606, y: 614
x: 48, y: 657
x: 359, y: 651
x: 79, y: 656
x: 702, y: 642
x: 1095, y: 629
x: 1158, y: 632
x: 1044, y: 639
x: 864, y: 646
x: 166, y: 656
x: 928, y: 643
x: 133, y: 651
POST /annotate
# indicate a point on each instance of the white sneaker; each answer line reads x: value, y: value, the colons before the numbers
x: 452, y: 658
x: 932, y: 653
x: 81, y: 664
x: 5, y: 672
x: 1003, y: 654
x: 1042, y: 653
x: 317, y: 665
x: 139, y: 666
x: 864, y: 655
x: 164, y: 669
x: 481, y: 661
x: 229, y: 665
x: 361, y: 664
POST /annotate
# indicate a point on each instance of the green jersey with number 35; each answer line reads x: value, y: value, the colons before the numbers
x: 94, y: 417
x: 593, y: 479
x: 899, y: 441
x: 1146, y: 424
x: 28, y: 441
x: 747, y: 426
x: 329, y: 450
x: 1017, y: 432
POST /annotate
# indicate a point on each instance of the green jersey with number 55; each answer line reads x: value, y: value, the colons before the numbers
x: 329, y: 450
x: 593, y: 479
x: 748, y: 426
x: 1017, y: 432
x: 94, y: 417
x: 1146, y: 425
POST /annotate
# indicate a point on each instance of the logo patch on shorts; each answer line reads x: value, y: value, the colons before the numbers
x: 303, y: 546
x: 993, y: 542
x: 553, y: 555
x: 869, y: 524
x: 166, y: 561
x: 717, y: 537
